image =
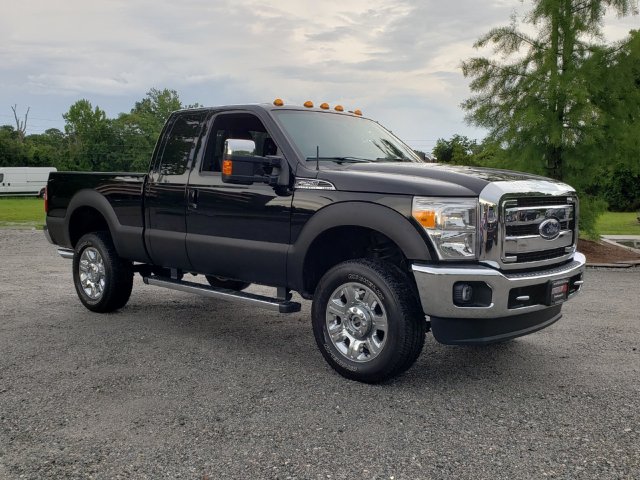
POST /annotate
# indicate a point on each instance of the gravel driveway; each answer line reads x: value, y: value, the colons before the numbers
x: 177, y: 386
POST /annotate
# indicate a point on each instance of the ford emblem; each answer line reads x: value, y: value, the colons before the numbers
x: 549, y: 229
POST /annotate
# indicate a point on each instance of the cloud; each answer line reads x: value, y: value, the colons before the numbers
x: 398, y: 59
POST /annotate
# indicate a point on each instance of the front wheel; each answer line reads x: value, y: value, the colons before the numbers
x: 102, y: 279
x: 366, y: 322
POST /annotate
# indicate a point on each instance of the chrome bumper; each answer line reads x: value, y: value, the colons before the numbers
x: 435, y: 286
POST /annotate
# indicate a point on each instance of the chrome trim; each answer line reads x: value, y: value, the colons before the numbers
x: 224, y: 294
x: 499, y: 197
x: 66, y: 253
x: 435, y: 287
x: 536, y: 243
x: 313, y: 184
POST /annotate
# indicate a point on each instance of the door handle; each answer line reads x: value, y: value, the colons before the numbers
x: 192, y: 198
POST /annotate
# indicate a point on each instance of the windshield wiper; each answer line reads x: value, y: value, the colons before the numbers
x: 392, y: 159
x: 341, y: 159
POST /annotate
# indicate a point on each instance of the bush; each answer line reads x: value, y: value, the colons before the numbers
x: 620, y: 188
x: 590, y: 209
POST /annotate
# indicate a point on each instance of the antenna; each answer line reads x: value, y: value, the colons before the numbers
x: 317, y: 157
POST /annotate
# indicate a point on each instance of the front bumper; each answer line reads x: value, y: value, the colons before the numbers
x: 504, y: 316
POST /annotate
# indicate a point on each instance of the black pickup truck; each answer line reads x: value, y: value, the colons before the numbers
x: 329, y: 204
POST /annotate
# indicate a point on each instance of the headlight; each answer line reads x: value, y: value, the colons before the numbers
x: 451, y: 224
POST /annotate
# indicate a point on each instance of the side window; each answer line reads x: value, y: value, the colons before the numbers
x: 180, y: 142
x: 238, y: 126
x: 1, y: 177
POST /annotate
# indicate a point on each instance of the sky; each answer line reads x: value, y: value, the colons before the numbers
x: 397, y: 60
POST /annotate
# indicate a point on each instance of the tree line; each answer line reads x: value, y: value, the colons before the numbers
x: 91, y: 141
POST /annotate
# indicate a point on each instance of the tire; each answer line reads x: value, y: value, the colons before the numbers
x: 219, y: 282
x: 350, y: 305
x: 102, y: 279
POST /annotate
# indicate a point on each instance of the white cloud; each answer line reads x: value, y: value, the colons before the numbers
x: 399, y: 60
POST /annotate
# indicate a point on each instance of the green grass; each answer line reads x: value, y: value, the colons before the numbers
x: 21, y: 212
x: 619, y: 223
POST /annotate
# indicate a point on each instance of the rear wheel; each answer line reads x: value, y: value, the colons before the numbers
x: 102, y: 279
x: 366, y: 322
x: 220, y: 282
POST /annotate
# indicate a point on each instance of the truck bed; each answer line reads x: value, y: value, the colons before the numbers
x: 123, y: 191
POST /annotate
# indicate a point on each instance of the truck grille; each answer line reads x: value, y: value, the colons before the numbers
x: 537, y: 229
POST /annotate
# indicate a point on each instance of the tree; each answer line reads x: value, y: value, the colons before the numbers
x: 21, y: 125
x: 92, y: 143
x: 459, y: 150
x: 537, y: 99
x: 12, y: 150
x: 140, y: 128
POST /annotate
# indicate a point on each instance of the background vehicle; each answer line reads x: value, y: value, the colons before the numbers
x: 333, y: 206
x: 24, y: 181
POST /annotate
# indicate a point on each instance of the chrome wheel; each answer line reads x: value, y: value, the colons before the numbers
x: 356, y: 322
x: 92, y: 273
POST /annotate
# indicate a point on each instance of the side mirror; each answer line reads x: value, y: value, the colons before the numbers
x: 240, y: 165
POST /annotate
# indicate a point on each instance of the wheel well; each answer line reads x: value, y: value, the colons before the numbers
x: 85, y: 220
x: 343, y: 243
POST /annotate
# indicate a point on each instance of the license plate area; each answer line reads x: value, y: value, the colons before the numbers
x: 557, y: 291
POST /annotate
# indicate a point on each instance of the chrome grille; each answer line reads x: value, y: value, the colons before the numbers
x: 521, y: 218
x: 510, y: 213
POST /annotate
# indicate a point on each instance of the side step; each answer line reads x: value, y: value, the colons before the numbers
x: 282, y: 306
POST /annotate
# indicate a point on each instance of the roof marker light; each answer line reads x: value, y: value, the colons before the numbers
x: 278, y: 102
x: 339, y: 108
x: 308, y: 104
x: 324, y: 106
x: 357, y: 112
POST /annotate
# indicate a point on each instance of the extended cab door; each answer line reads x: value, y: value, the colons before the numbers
x: 237, y: 231
x: 165, y: 196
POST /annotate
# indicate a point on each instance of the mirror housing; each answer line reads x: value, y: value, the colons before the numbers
x: 241, y: 166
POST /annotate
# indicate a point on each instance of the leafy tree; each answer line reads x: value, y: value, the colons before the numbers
x: 139, y: 129
x: 12, y: 150
x: 90, y: 136
x: 536, y: 100
x: 459, y: 150
x: 48, y: 149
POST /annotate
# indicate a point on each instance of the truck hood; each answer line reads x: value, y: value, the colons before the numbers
x: 431, y: 179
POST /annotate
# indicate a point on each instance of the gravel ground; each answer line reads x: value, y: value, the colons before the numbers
x: 177, y: 386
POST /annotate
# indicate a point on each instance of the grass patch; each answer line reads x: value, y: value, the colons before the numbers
x: 618, y: 223
x: 21, y: 212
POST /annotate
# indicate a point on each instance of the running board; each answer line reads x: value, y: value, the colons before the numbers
x: 282, y: 306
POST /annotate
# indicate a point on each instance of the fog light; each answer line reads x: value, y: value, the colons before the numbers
x: 462, y: 293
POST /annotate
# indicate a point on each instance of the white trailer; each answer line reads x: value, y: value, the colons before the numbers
x: 24, y: 181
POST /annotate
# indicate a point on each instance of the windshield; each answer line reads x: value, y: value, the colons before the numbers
x: 342, y: 138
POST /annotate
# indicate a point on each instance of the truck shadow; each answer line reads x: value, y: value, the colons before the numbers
x: 287, y: 340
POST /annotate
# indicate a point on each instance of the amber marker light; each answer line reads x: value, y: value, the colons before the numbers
x: 426, y: 218
x: 324, y: 106
x: 339, y: 108
x: 357, y: 112
x: 308, y: 104
x: 278, y: 102
x: 227, y: 167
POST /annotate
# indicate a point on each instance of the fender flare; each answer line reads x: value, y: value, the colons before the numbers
x: 385, y: 220
x: 127, y: 240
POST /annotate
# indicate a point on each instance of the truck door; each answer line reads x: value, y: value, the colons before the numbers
x: 165, y: 196
x: 237, y: 231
